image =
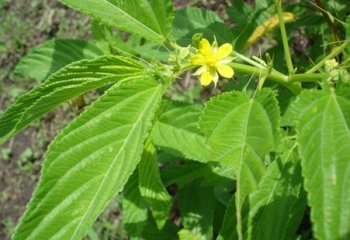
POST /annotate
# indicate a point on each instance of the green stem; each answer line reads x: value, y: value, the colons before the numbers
x: 336, y: 51
x: 291, y: 82
x: 306, y: 77
x: 248, y: 60
x: 185, y: 68
x: 273, y: 75
x: 284, y: 37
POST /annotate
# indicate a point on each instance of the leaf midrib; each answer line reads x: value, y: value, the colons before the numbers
x: 122, y: 12
x: 272, y: 191
x: 84, y: 217
x: 238, y: 194
x: 18, y: 127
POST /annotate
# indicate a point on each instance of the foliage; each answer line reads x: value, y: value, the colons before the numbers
x: 245, y: 165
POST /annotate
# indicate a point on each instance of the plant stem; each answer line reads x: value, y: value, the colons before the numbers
x: 335, y: 52
x: 248, y: 60
x: 273, y: 75
x: 284, y: 38
x: 306, y: 77
x: 292, y: 82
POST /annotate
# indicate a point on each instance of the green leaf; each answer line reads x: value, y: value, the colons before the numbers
x: 197, y: 204
x: 347, y: 35
x: 168, y: 232
x: 185, y: 234
x: 182, y: 174
x: 90, y: 161
x: 234, y: 123
x: 134, y: 208
x: 52, y: 55
x: 240, y: 134
x: 279, y: 199
x: 228, y: 230
x: 323, y: 136
x: 294, y: 112
x: 102, y: 36
x: 152, y: 50
x: 187, y: 171
x: 239, y: 12
x: 189, y: 21
x: 151, y: 185
x: 151, y: 19
x: 246, y: 19
x: 65, y: 84
x: 340, y: 7
x: 177, y: 127
x: 138, y: 46
x: 268, y: 100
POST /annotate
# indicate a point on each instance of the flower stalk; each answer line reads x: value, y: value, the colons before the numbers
x: 336, y: 51
x: 287, y: 54
x: 273, y: 75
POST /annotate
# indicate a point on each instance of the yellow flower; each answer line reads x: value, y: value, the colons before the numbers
x: 213, y: 60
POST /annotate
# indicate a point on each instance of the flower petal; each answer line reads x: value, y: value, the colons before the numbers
x: 216, y: 78
x: 225, y: 71
x: 207, y: 77
x: 224, y: 51
x: 204, y: 47
x: 200, y: 71
x: 226, y: 60
x: 197, y: 60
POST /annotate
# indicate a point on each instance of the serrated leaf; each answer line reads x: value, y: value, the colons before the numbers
x: 65, y: 84
x: 151, y: 185
x: 323, y: 136
x: 190, y: 19
x: 228, y: 231
x: 102, y: 35
x: 294, y: 112
x: 134, y: 208
x: 239, y: 12
x: 233, y: 120
x: 151, y: 231
x: 268, y: 100
x: 52, y: 55
x: 240, y: 134
x: 279, y: 199
x: 347, y: 35
x: 151, y: 19
x: 182, y: 174
x: 246, y: 19
x: 176, y: 130
x: 343, y: 91
x: 188, y: 171
x: 90, y: 161
x: 185, y: 234
x: 197, y: 204
x: 153, y: 51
